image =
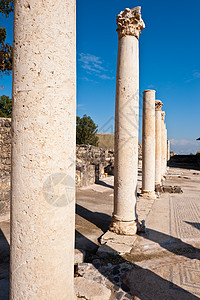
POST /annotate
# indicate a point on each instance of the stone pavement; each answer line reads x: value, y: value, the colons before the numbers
x: 162, y: 263
x: 166, y: 258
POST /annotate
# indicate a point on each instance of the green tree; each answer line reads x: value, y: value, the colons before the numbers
x: 86, y: 131
x: 5, y: 53
x: 5, y: 107
x: 6, y: 6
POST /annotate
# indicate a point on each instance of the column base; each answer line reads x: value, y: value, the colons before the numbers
x: 122, y: 227
x: 148, y: 194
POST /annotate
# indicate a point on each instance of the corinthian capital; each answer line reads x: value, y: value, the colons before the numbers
x: 158, y: 105
x: 130, y: 22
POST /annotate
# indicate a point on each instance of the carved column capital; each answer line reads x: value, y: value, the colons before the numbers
x: 158, y: 105
x: 130, y: 22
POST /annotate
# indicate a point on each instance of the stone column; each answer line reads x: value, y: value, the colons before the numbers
x: 148, y: 144
x: 158, y: 106
x: 43, y: 150
x: 168, y: 150
x: 165, y: 148
x: 163, y: 144
x: 124, y: 217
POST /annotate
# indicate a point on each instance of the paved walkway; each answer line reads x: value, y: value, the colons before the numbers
x: 170, y: 266
x: 164, y: 262
x: 161, y: 264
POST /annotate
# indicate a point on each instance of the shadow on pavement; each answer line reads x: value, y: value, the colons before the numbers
x: 194, y: 224
x: 99, y: 182
x: 4, y: 267
x: 172, y: 244
x: 102, y: 221
x: 143, y: 283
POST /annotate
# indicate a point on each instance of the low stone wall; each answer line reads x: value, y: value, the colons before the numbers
x: 92, y: 163
x: 185, y: 161
x: 5, y: 163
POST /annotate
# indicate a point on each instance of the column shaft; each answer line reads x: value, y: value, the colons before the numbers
x: 158, y: 142
x: 43, y: 150
x: 148, y: 144
x: 168, y: 150
x: 165, y: 148
x: 163, y: 145
x: 126, y: 127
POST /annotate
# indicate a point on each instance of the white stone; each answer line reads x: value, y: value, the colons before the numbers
x: 79, y: 256
x: 158, y: 105
x: 91, y: 290
x: 168, y: 150
x: 126, y: 122
x: 43, y: 150
x: 163, y: 144
x: 113, y: 243
x: 148, y: 144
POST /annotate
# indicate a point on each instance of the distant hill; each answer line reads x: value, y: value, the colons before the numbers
x: 106, y: 140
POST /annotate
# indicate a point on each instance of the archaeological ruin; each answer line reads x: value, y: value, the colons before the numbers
x: 81, y: 221
x: 124, y: 219
x: 43, y: 151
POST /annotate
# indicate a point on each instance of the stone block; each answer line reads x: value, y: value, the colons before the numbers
x: 91, y: 290
x: 79, y: 256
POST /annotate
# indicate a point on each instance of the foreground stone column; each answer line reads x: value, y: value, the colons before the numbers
x: 158, y: 106
x: 168, y: 150
x: 124, y: 217
x: 43, y: 150
x: 163, y: 144
x: 148, y: 144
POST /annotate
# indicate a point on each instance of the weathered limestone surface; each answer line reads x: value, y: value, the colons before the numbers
x: 165, y: 148
x: 91, y: 290
x: 43, y: 150
x: 148, y: 142
x: 124, y: 217
x: 158, y: 105
x: 168, y: 150
x: 163, y: 144
x: 5, y: 163
x: 90, y: 164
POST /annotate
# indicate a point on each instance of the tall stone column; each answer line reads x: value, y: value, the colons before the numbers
x: 148, y: 144
x: 158, y: 106
x: 168, y: 150
x: 124, y: 217
x: 165, y: 148
x: 43, y: 150
x: 163, y: 144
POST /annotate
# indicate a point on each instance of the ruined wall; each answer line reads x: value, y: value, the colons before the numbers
x: 5, y: 163
x: 106, y: 140
x: 92, y: 163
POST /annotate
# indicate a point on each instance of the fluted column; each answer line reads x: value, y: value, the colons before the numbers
x: 124, y: 217
x: 148, y: 144
x: 158, y: 107
x: 43, y: 150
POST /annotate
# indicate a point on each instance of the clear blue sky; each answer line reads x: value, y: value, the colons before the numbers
x: 169, y: 63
